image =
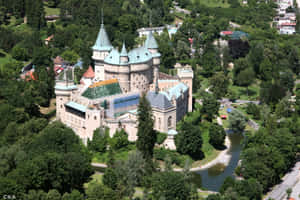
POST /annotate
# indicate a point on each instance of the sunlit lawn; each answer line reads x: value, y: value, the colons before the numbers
x: 214, y: 3
x: 119, y: 155
x: 96, y: 178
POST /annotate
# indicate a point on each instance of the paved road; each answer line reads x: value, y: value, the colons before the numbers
x: 290, y: 180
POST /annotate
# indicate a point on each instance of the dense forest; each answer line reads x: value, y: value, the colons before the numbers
x: 42, y: 159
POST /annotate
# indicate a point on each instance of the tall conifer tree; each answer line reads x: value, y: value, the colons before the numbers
x: 146, y: 135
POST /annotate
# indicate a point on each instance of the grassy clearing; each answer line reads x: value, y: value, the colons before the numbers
x: 122, y: 154
x: 47, y: 110
x: 213, y: 3
x: 96, y: 178
x: 253, y: 92
x: 51, y: 11
x: 209, y: 151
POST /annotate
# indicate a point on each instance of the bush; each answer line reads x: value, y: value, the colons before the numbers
x: 119, y: 140
x: 161, y: 137
x: 217, y: 136
x: 100, y: 140
x: 176, y: 158
x: 254, y: 110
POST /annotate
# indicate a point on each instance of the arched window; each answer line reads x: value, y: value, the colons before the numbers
x: 170, y: 121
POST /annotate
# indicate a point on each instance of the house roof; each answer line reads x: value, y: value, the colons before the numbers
x: 164, y: 76
x: 76, y: 106
x: 102, y: 89
x: 158, y: 100
x: 175, y: 91
x: 102, y: 42
x: 58, y: 60
x: 151, y: 42
x: 89, y: 73
x: 137, y: 55
x: 49, y: 38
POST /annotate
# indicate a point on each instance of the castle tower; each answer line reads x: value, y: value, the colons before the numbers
x: 101, y: 49
x: 63, y: 89
x: 124, y: 55
x: 186, y: 76
x: 152, y: 46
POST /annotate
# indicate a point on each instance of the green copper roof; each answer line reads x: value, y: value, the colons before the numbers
x: 102, y: 91
x: 151, y: 42
x: 76, y: 106
x: 124, y: 51
x: 139, y: 55
x: 102, y: 42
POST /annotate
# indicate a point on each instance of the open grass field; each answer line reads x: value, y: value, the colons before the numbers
x: 51, y: 11
x: 213, y: 3
x: 119, y: 155
x: 96, y: 178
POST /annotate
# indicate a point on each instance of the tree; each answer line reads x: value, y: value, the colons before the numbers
x: 210, y: 106
x: 100, y: 192
x: 19, y: 53
x: 35, y: 13
x: 237, y: 121
x: 219, y: 84
x: 110, y: 178
x: 286, y: 80
x: 171, y: 185
x: 53, y: 195
x: 266, y: 70
x: 70, y: 56
x: 189, y: 140
x: 246, y: 78
x: 99, y: 141
x: 119, y: 140
x: 146, y: 135
x: 74, y: 195
x: 217, y: 136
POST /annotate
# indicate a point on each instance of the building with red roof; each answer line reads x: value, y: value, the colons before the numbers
x: 90, y: 74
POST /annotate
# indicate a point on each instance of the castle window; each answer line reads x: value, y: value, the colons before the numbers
x: 61, y: 106
x: 95, y: 118
x: 61, y: 99
x: 170, y: 121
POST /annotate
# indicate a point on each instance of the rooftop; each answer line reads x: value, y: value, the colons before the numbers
x: 102, y: 89
x: 158, y: 100
x: 175, y: 91
x: 102, y: 42
x: 89, y: 73
x: 76, y: 106
x: 151, y: 42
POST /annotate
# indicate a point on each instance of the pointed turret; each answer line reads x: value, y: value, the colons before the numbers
x: 151, y: 42
x: 124, y: 51
x: 102, y: 42
x: 124, y: 54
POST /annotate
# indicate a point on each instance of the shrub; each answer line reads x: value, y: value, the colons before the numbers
x: 161, y: 137
x: 119, y: 140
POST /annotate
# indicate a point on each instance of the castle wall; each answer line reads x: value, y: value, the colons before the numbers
x: 164, y: 120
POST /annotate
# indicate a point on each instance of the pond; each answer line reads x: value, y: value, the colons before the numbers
x: 213, y: 177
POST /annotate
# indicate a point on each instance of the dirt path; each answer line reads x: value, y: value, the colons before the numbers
x: 223, y: 158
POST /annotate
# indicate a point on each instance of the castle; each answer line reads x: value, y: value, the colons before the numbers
x: 109, y: 95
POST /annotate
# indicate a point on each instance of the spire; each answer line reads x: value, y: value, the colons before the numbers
x: 124, y: 51
x: 151, y: 42
x: 102, y: 42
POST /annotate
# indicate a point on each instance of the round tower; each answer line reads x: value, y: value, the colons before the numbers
x: 101, y: 50
x: 64, y: 87
x: 152, y: 46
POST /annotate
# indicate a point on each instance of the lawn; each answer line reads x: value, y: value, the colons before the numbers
x: 96, y: 178
x: 119, y: 155
x: 253, y: 92
x: 209, y: 151
x: 213, y: 3
x: 51, y: 11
